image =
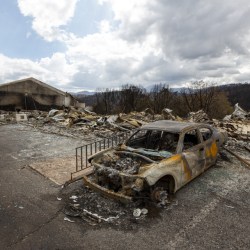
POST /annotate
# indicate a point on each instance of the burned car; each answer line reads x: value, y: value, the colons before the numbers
x: 160, y: 156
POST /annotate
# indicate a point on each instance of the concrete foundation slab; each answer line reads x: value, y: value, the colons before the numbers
x: 56, y: 169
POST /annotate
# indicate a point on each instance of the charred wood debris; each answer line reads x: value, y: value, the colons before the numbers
x: 84, y: 124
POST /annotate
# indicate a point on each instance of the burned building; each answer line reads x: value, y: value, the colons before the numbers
x: 32, y: 94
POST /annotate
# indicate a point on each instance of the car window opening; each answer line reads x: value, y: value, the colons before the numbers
x: 154, y: 140
x: 191, y: 139
x: 206, y: 133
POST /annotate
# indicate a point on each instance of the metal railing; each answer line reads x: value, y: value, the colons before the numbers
x: 83, y: 152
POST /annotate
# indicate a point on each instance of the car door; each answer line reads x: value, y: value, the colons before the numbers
x: 210, y: 143
x: 193, y: 154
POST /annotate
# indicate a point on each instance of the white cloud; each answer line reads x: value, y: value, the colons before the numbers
x: 147, y: 42
x: 55, y: 70
x: 60, y: 71
x: 12, y: 69
x: 48, y: 16
x: 104, y: 26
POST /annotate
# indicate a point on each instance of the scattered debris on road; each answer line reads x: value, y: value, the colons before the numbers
x: 67, y: 219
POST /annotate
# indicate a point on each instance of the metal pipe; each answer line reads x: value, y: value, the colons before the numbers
x: 86, y: 156
x: 238, y: 157
x: 81, y: 158
x: 76, y: 161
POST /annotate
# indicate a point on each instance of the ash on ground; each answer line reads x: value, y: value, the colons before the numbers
x: 83, y: 204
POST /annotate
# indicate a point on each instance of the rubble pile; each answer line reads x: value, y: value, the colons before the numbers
x: 239, y: 130
x: 168, y: 114
x: 237, y: 125
x: 82, y: 123
x: 6, y: 117
x: 238, y: 150
x: 79, y: 123
x: 238, y: 114
x: 199, y: 116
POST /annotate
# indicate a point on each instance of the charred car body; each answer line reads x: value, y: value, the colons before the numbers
x: 160, y: 156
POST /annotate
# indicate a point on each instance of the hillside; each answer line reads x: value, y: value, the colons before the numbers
x: 236, y: 93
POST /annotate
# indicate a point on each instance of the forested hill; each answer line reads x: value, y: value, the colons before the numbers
x: 238, y: 93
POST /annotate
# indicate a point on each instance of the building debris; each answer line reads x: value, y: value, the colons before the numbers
x: 2, y: 117
x: 67, y: 219
x: 144, y: 211
x: 237, y: 125
x: 78, y: 122
x: 168, y: 114
x: 239, y: 113
x: 199, y: 116
x: 20, y: 117
x: 137, y: 212
x: 238, y: 157
x: 73, y: 197
x: 229, y: 206
x: 247, y: 148
x: 52, y: 112
x: 239, y: 130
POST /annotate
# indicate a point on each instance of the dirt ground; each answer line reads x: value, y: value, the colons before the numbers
x: 36, y: 213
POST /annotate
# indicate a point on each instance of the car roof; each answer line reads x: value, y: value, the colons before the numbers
x: 170, y: 126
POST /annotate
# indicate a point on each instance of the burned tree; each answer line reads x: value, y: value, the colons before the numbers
x: 131, y: 97
x: 160, y: 97
x: 207, y: 97
x: 104, y: 101
x: 199, y: 95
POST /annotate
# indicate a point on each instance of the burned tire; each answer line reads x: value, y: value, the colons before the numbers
x: 162, y: 189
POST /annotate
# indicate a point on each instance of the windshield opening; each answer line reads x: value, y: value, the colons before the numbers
x: 154, y: 140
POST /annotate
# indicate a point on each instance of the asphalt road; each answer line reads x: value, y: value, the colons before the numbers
x: 211, y: 212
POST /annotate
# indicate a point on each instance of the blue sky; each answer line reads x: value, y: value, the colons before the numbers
x: 80, y: 45
x: 87, y: 16
x: 17, y: 37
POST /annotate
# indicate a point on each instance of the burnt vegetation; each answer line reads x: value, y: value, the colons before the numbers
x: 217, y: 101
